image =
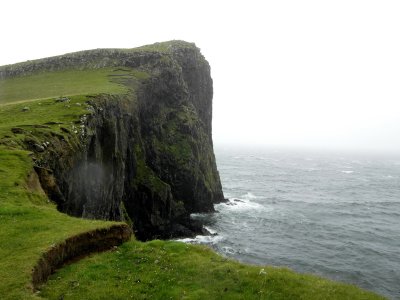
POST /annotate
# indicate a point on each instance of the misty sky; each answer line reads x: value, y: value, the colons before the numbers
x: 286, y: 73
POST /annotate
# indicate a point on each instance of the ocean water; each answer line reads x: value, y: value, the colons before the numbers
x: 335, y: 215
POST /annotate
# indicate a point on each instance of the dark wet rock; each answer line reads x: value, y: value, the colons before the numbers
x: 66, y: 130
x: 238, y: 200
x: 63, y: 99
x: 38, y: 148
x: 53, y: 123
x: 17, y: 130
x: 49, y: 184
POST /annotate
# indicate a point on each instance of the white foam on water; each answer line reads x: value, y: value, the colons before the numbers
x: 347, y: 172
x: 227, y: 195
x: 242, y: 204
x: 249, y: 196
x: 202, y: 239
x: 198, y: 216
x: 228, y: 250
x: 210, y: 230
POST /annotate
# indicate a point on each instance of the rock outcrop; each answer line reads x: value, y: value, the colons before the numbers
x: 145, y: 157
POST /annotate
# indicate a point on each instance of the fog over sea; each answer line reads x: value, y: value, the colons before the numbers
x: 334, y: 215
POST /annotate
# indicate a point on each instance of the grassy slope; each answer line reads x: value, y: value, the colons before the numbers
x: 29, y: 224
x: 62, y: 83
x: 40, y: 113
x: 173, y: 270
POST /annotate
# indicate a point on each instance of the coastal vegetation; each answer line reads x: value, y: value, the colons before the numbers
x: 63, y: 83
x: 174, y: 270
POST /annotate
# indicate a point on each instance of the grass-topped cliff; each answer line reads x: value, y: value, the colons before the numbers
x: 97, y: 143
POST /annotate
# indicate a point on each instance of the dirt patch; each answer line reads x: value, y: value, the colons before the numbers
x: 33, y: 183
x: 77, y: 247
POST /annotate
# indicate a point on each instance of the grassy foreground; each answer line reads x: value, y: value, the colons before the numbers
x: 30, y: 223
x: 173, y: 270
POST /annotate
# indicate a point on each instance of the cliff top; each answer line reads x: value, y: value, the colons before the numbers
x: 87, y: 72
x: 95, y: 58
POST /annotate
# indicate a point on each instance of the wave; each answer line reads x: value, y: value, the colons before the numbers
x: 210, y: 230
x: 347, y: 172
x: 242, y: 204
x: 249, y: 196
x: 203, y: 239
x: 199, y: 216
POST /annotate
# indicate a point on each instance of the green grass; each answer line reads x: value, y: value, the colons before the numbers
x: 174, y: 270
x: 41, y: 112
x: 66, y: 83
x: 29, y: 224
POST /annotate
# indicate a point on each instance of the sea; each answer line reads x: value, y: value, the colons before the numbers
x: 332, y: 214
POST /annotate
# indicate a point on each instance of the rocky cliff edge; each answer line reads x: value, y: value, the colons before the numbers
x: 145, y: 156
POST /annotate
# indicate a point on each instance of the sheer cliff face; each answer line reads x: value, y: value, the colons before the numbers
x: 145, y: 157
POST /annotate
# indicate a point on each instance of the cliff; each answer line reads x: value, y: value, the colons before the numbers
x: 145, y: 155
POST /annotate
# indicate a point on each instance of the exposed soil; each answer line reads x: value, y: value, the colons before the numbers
x: 77, y: 247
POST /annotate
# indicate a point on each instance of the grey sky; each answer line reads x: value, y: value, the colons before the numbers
x: 297, y: 73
